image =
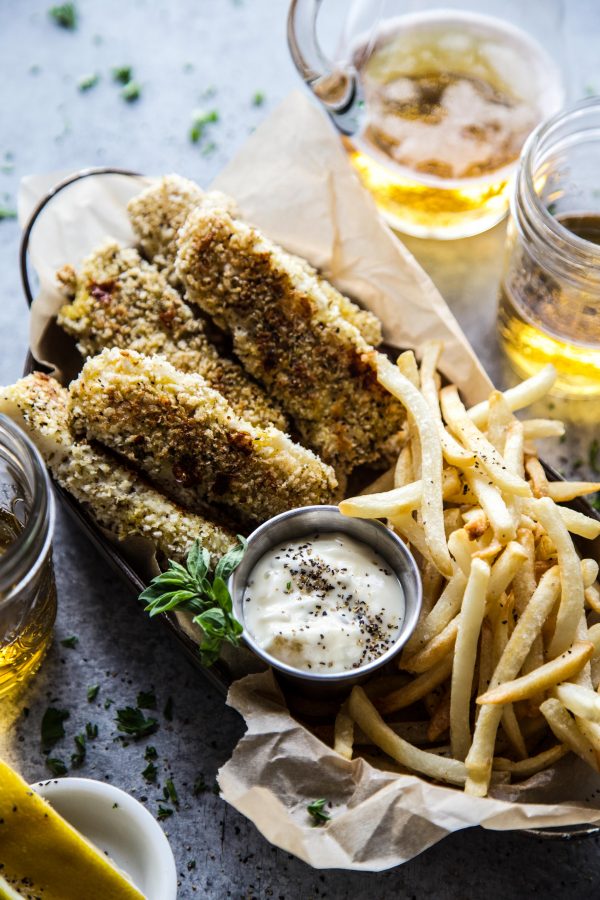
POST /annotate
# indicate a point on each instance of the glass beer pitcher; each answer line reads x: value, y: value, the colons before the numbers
x: 434, y: 104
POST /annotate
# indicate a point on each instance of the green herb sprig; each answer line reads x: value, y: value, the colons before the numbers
x: 190, y: 588
x: 316, y: 810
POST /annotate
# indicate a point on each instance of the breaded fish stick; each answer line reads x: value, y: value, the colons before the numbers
x: 188, y: 440
x: 115, y: 495
x: 120, y: 300
x: 160, y: 211
x: 290, y: 337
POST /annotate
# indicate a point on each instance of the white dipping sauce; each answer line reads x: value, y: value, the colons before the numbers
x: 323, y: 603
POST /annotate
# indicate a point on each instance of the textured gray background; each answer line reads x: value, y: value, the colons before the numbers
x: 181, y: 51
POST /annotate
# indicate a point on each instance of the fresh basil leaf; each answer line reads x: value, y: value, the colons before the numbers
x: 198, y: 562
x: 170, y: 601
x: 212, y: 621
x: 231, y: 560
x: 221, y: 594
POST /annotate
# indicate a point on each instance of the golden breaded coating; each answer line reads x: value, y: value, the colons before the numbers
x: 189, y: 441
x: 120, y: 300
x: 290, y: 337
x: 158, y: 213
x: 115, y: 495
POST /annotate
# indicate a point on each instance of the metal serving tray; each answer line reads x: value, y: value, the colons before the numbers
x: 219, y: 674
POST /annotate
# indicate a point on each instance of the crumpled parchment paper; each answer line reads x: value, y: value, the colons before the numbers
x: 293, y: 180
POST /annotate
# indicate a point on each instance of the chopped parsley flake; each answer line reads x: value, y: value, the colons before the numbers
x: 131, y: 720
x: 92, y: 692
x: 150, y: 773
x: 52, y: 727
x: 122, y: 74
x: 65, y: 16
x: 258, y: 99
x: 131, y: 92
x: 200, y: 120
x: 163, y: 812
x: 315, y: 809
x: 70, y: 642
x: 56, y: 766
x: 87, y: 82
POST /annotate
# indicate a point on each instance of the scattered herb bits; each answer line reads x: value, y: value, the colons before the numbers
x: 92, y: 692
x: 200, y: 121
x: 7, y: 213
x: 122, y: 74
x: 131, y: 92
x: 163, y: 812
x: 317, y: 812
x: 70, y: 642
x: 150, y: 773
x: 91, y: 731
x: 52, y: 727
x: 56, y: 765
x: 65, y: 16
x: 258, y: 99
x: 87, y: 82
x: 131, y: 720
x: 78, y: 758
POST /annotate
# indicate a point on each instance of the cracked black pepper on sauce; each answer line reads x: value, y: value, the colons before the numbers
x: 323, y: 603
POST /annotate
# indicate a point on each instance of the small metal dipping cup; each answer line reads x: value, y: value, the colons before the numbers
x: 298, y: 523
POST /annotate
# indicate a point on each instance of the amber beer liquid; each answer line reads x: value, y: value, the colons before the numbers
x: 449, y: 100
x: 549, y: 305
x: 27, y: 587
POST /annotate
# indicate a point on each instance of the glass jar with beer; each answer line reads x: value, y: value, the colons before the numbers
x: 27, y: 588
x: 549, y: 309
x: 435, y: 103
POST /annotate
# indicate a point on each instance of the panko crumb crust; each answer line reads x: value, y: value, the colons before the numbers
x: 290, y: 337
x: 158, y: 212
x: 120, y: 300
x: 114, y: 494
x: 189, y: 441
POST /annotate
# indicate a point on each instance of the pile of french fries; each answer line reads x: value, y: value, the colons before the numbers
x: 500, y: 678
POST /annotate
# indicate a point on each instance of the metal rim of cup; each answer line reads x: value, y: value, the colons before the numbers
x: 297, y: 523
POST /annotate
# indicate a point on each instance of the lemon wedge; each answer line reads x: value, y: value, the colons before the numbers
x: 41, y: 855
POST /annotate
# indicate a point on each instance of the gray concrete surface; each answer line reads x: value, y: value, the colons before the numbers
x: 211, y: 54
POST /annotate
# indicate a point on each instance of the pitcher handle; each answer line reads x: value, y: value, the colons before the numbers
x: 338, y: 89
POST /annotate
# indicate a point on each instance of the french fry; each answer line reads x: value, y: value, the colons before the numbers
x: 476, y: 523
x: 523, y: 394
x: 459, y: 546
x: 440, y: 718
x: 513, y: 732
x: 514, y: 448
x: 343, y: 741
x: 479, y: 757
x: 403, y: 471
x: 564, y: 728
x: 434, y: 651
x: 579, y: 700
x: 499, y: 419
x: 453, y: 452
x: 416, y: 689
x: 577, y: 523
x: 486, y: 659
x: 592, y: 597
x: 572, y: 600
x: 394, y: 502
x: 447, y: 606
x: 492, y: 503
x: 406, y: 526
x: 539, y: 482
x: 407, y: 364
x: 489, y: 459
x: 504, y: 570
x: 431, y: 460
x: 541, y: 679
x: 542, y: 428
x: 525, y: 768
x: 366, y: 716
x: 465, y: 653
x: 589, y: 572
x: 382, y: 484
x: 431, y: 584
x: 453, y: 521
x: 563, y: 491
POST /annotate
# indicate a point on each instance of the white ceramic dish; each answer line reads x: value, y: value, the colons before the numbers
x: 119, y: 825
